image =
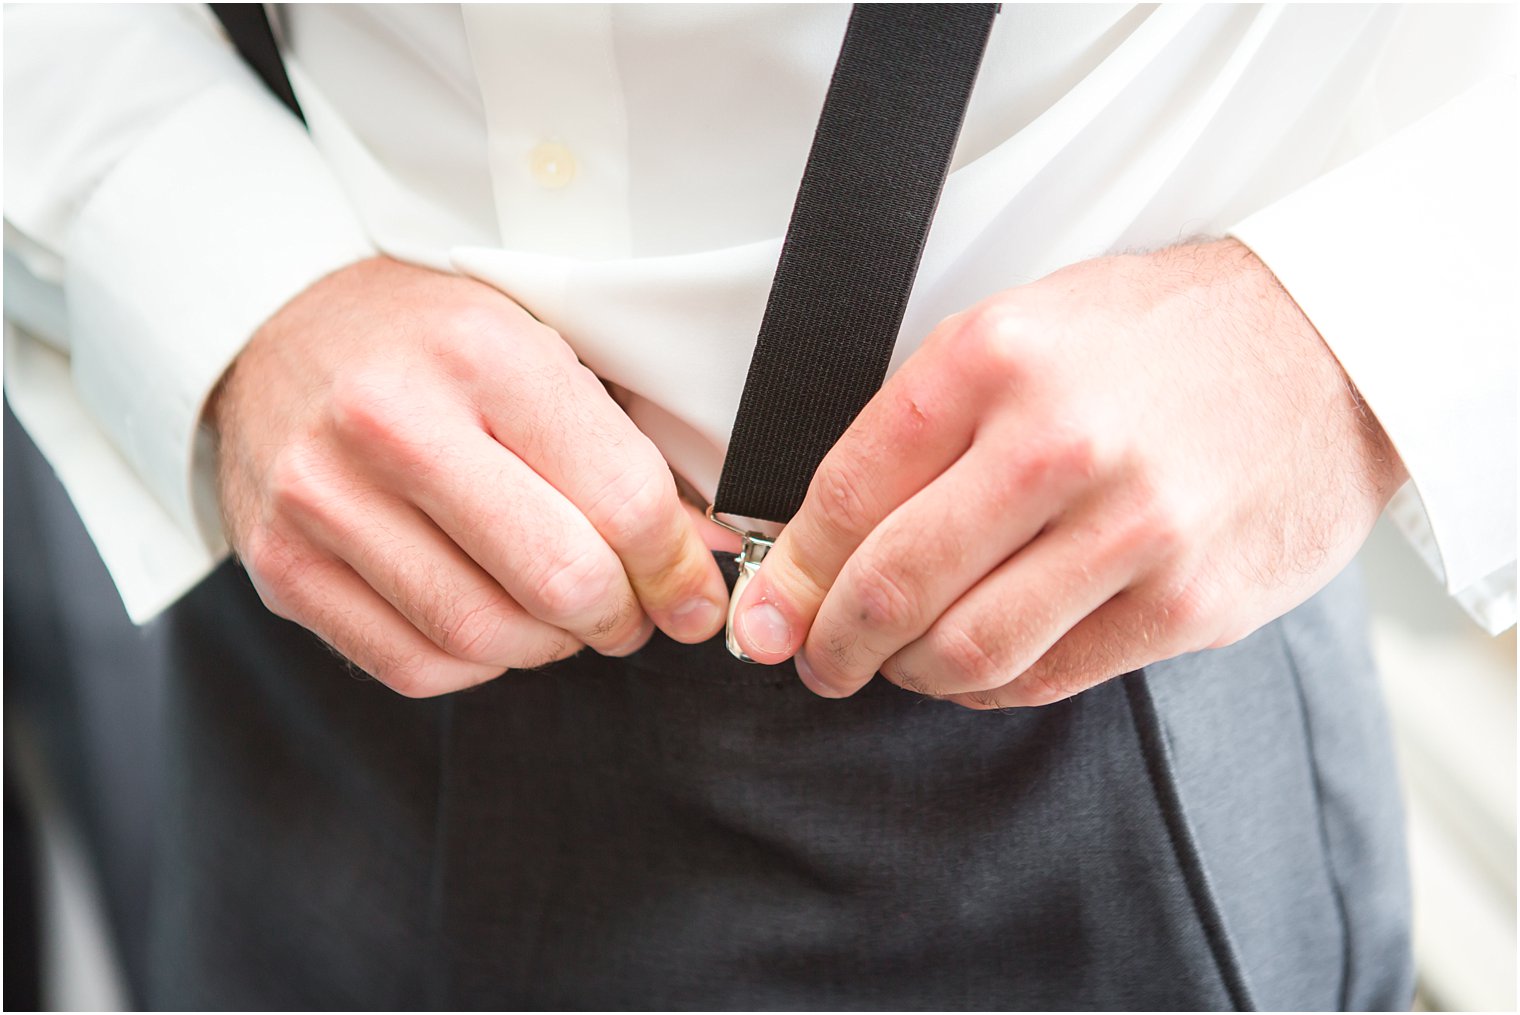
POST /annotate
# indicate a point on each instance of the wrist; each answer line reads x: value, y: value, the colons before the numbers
x: 1270, y: 311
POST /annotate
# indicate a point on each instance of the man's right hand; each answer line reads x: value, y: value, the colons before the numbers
x: 421, y: 473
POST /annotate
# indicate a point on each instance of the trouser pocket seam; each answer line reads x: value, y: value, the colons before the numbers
x: 1162, y: 775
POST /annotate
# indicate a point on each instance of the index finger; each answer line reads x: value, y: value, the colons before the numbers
x: 588, y: 449
x: 915, y: 427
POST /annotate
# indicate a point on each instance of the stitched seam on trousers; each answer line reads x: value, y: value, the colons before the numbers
x: 1336, y: 890
x: 1158, y: 766
x: 437, y: 970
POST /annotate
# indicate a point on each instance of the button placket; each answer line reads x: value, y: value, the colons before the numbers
x: 556, y: 127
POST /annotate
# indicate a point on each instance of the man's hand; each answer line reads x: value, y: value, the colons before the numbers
x: 1130, y: 459
x: 415, y: 469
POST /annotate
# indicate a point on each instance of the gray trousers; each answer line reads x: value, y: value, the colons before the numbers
x: 680, y: 830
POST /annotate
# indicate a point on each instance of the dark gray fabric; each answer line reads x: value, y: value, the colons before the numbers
x: 83, y: 689
x: 1284, y: 761
x: 681, y: 830
x: 1360, y: 807
x: 296, y: 858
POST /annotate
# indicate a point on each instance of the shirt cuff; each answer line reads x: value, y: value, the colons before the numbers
x: 152, y: 560
x: 213, y: 222
x: 1404, y: 261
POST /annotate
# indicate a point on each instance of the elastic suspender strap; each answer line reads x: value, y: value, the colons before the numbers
x: 878, y: 163
x: 247, y: 25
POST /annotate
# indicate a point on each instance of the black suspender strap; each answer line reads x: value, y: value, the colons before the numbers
x: 247, y: 25
x: 878, y: 163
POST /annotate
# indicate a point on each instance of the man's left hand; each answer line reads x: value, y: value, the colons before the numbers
x: 1133, y: 458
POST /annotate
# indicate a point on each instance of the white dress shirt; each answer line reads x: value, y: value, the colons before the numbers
x: 626, y: 172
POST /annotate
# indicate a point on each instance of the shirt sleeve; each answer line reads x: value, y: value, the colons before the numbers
x: 1405, y: 261
x: 160, y: 204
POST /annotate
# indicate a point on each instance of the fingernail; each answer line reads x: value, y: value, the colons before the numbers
x: 805, y: 671
x: 696, y: 617
x: 765, y: 629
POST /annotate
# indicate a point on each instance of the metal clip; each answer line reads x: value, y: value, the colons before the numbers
x: 752, y: 551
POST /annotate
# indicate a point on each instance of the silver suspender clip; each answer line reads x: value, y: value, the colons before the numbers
x: 752, y: 550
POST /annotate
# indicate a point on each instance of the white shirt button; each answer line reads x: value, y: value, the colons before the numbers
x: 552, y: 165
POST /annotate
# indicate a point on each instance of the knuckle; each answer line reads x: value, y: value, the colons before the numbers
x: 980, y: 701
x: 831, y: 649
x: 968, y: 662
x: 999, y: 334
x: 1153, y: 529
x: 1168, y: 525
x: 464, y: 327
x: 1184, y: 612
x: 1073, y: 665
x: 274, y: 566
x: 572, y: 585
x: 909, y: 679
x: 1074, y: 453
x: 549, y: 652
x: 404, y: 676
x: 473, y: 339
x: 376, y: 416
x: 363, y: 406
x: 426, y: 674
x: 841, y: 499
x: 459, y: 341
x: 1064, y: 457
x: 474, y: 631
x: 633, y: 505
x: 413, y: 675
x: 1226, y: 637
x: 261, y: 551
x: 292, y: 480
x: 1046, y: 685
x: 886, y: 600
x: 553, y: 347
x: 300, y: 481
